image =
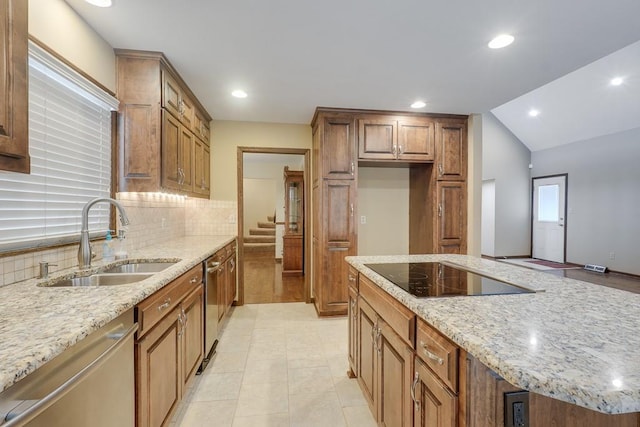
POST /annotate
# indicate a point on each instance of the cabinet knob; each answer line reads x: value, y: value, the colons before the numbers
x: 440, y: 169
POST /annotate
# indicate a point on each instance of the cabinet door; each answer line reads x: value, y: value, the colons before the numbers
x: 451, y: 151
x: 158, y: 372
x: 339, y: 148
x: 171, y: 94
x: 353, y: 332
x: 14, y: 105
x: 222, y: 292
x: 198, y: 166
x: 416, y: 139
x: 230, y: 280
x: 187, y: 112
x: 186, y: 159
x: 451, y: 218
x: 367, y: 352
x: 171, y: 147
x: 193, y: 331
x: 395, y: 373
x: 377, y: 139
x: 206, y: 170
x: 435, y: 405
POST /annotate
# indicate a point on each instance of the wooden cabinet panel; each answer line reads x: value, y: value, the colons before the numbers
x: 292, y: 255
x: 377, y: 138
x: 158, y: 383
x: 339, y: 212
x: 395, y: 372
x: 451, y: 151
x: 367, y: 352
x: 171, y: 151
x: 338, y: 148
x: 14, y: 95
x: 187, y: 112
x: 451, y: 219
x: 416, y: 139
x: 436, y: 406
x: 193, y: 333
x: 222, y: 291
x: 186, y: 159
x: 353, y: 332
x: 171, y: 94
x: 139, y: 147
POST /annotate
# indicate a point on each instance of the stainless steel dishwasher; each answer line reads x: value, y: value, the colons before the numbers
x: 211, y: 266
x: 90, y: 384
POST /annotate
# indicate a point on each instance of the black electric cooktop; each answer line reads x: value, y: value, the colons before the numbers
x: 434, y: 279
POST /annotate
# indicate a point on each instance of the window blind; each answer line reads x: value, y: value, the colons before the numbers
x: 70, y: 149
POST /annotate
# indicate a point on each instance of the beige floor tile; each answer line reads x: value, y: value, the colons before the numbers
x: 213, y: 386
x: 228, y: 362
x: 201, y: 414
x: 359, y: 416
x: 316, y: 410
x: 262, y: 399
x: 339, y: 365
x: 349, y: 392
x: 265, y: 371
x: 267, y: 350
x: 310, y: 380
x: 231, y: 343
x: 311, y: 360
x: 271, y: 420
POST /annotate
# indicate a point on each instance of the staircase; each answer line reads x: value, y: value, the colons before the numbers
x: 262, y: 238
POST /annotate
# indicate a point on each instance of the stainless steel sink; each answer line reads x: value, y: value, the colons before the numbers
x: 139, y: 267
x: 102, y: 279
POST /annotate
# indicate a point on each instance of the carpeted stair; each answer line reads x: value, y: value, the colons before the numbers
x: 262, y: 238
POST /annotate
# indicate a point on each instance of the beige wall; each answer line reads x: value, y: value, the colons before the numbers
x: 58, y: 26
x: 383, y: 198
x: 227, y: 136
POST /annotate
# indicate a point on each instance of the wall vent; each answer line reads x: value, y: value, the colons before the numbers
x: 596, y: 268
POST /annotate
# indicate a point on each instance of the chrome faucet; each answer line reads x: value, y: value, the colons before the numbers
x: 84, y: 251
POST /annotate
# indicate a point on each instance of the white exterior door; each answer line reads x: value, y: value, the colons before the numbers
x: 549, y: 213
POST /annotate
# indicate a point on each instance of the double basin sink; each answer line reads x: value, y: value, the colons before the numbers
x: 120, y: 274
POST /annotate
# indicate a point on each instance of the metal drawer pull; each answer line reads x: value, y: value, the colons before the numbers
x: 194, y: 279
x: 416, y: 378
x: 440, y: 169
x: 165, y: 304
x: 212, y: 267
x: 439, y: 360
x: 351, y: 278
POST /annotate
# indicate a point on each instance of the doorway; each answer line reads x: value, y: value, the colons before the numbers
x: 261, y: 225
x: 549, y: 225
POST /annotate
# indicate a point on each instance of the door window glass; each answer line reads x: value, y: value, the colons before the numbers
x: 549, y: 203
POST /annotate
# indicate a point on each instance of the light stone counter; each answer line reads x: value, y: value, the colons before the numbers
x: 576, y: 342
x: 38, y: 323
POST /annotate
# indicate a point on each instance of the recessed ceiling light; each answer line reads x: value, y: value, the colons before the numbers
x: 418, y: 104
x: 239, y: 93
x: 534, y: 113
x: 100, y: 3
x: 501, y: 41
x: 617, y: 81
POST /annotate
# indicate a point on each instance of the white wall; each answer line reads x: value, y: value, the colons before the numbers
x: 383, y: 198
x: 506, y: 161
x: 259, y: 197
x: 603, y: 198
x: 57, y: 25
x: 489, y: 217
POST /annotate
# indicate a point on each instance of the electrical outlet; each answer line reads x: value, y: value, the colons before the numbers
x: 612, y: 255
x: 516, y: 409
x: 363, y: 219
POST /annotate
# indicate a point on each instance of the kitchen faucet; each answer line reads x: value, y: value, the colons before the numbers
x: 84, y: 251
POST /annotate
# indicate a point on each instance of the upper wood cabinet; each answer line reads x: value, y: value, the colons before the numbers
x: 450, y: 221
x: 159, y: 122
x: 396, y: 138
x: 334, y: 143
x: 14, y: 96
x: 451, y: 150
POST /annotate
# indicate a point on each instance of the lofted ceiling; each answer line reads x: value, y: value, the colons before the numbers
x: 291, y: 56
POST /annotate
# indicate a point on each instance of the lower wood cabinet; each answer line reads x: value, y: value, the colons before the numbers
x: 435, y: 405
x: 169, y: 347
x: 353, y: 331
x: 226, y: 281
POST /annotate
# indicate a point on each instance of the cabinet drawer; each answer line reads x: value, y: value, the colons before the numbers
x: 154, y: 308
x: 400, y: 318
x: 439, y: 354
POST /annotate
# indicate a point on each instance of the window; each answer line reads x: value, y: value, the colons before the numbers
x: 70, y: 148
x: 549, y: 203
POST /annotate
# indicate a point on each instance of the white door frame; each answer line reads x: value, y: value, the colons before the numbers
x: 563, y: 216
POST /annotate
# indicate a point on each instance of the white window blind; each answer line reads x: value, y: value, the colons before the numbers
x: 70, y: 148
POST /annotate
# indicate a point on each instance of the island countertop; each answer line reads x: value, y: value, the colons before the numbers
x: 575, y: 341
x: 38, y: 323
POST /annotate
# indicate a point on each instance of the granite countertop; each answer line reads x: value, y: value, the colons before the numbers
x: 38, y: 323
x: 576, y: 342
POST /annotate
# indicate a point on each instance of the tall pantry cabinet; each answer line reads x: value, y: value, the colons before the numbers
x: 432, y: 146
x: 334, y: 198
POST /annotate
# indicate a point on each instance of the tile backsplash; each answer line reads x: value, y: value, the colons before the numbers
x: 154, y: 218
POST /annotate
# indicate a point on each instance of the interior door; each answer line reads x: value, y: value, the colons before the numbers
x: 549, y: 218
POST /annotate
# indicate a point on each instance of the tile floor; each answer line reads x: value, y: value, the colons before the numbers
x: 277, y: 365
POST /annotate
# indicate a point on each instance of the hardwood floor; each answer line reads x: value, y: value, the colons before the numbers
x: 612, y: 280
x: 263, y: 281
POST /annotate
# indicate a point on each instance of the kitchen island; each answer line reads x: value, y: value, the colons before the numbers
x: 570, y: 340
x: 38, y: 322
